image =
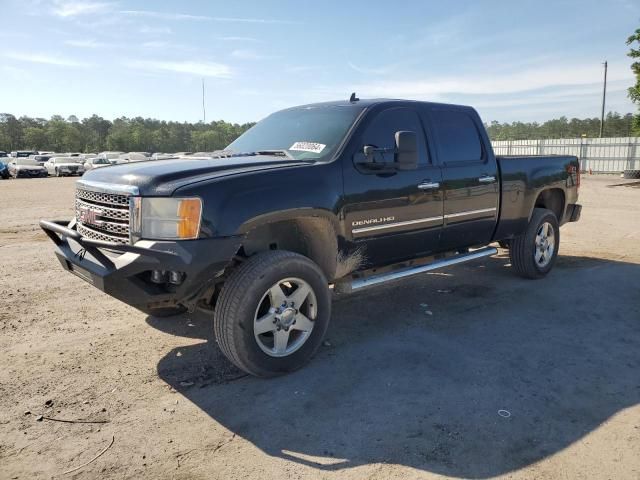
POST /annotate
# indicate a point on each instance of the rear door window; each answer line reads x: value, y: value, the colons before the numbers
x: 456, y: 136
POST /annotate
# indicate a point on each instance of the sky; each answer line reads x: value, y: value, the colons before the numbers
x: 512, y: 60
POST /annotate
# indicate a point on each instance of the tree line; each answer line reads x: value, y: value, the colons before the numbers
x: 96, y: 134
x: 615, y: 125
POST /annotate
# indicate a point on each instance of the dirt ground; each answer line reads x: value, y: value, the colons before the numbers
x: 467, y: 372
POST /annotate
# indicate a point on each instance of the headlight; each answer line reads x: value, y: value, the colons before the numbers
x: 166, y: 218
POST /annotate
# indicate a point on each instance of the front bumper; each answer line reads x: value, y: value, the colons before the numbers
x: 31, y: 173
x: 124, y: 271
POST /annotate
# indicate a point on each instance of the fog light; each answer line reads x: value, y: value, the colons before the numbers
x: 175, y: 278
x: 158, y: 276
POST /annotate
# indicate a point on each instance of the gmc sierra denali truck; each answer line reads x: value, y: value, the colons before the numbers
x: 343, y: 194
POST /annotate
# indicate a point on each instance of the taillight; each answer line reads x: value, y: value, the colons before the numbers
x: 573, y: 170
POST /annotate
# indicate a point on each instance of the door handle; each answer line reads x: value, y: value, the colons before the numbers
x: 487, y: 179
x: 428, y: 185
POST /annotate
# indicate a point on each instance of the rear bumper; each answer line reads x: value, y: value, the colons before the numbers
x: 573, y: 212
x: 124, y: 271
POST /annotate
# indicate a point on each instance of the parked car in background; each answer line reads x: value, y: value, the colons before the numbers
x: 132, y: 157
x: 4, y: 171
x: 64, y: 166
x: 22, y: 153
x: 111, y: 156
x: 41, y: 159
x: 45, y: 152
x: 88, y: 155
x: 3, y: 154
x: 95, y: 162
x: 25, y: 167
x: 163, y: 156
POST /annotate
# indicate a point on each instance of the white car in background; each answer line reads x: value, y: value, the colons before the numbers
x: 64, y: 166
x: 111, y: 156
x: 22, y: 167
x: 163, y: 156
x: 95, y: 162
x: 40, y: 158
x: 132, y: 157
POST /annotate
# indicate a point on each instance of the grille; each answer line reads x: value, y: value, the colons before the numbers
x: 102, y: 216
x: 96, y: 235
x: 107, y: 212
x: 109, y: 199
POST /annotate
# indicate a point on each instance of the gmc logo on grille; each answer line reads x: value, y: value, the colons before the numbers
x: 89, y: 216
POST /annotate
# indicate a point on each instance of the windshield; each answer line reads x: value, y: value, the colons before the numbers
x: 100, y: 161
x: 306, y: 133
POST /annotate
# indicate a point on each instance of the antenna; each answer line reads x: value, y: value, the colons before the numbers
x: 204, y: 112
x: 353, y: 98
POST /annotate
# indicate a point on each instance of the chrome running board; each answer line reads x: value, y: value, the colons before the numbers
x: 358, y: 283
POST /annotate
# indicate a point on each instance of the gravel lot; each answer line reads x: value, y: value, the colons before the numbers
x: 412, y: 382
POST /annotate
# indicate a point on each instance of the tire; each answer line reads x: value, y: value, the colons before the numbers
x: 631, y: 174
x: 247, y: 298
x: 524, y: 253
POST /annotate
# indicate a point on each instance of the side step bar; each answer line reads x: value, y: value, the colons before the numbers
x: 359, y: 283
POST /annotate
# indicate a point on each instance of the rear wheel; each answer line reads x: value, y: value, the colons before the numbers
x: 272, y: 313
x: 534, y: 253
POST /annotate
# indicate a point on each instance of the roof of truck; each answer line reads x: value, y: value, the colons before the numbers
x: 369, y: 102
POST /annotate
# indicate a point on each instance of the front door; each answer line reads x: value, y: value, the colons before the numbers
x: 396, y: 215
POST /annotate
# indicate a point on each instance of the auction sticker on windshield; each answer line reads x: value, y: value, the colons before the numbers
x: 307, y: 147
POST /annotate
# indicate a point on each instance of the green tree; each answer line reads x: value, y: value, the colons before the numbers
x: 35, y: 138
x: 634, y: 92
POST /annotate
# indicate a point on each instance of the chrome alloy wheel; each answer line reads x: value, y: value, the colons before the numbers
x: 285, y: 317
x: 545, y: 244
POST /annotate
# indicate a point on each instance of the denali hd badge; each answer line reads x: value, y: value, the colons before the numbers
x: 372, y: 221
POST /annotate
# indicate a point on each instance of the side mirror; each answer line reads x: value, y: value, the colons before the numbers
x: 406, y: 150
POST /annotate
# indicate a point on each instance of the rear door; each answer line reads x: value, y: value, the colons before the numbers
x: 469, y: 177
x: 398, y: 214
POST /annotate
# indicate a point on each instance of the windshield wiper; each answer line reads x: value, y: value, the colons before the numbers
x: 274, y: 153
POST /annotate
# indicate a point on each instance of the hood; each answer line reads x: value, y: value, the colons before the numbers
x: 163, y: 177
x: 28, y: 167
x: 69, y: 164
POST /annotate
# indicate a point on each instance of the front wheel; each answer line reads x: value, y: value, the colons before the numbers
x: 535, y: 251
x: 272, y: 313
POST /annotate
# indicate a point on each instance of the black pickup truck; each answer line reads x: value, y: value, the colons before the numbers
x: 344, y: 194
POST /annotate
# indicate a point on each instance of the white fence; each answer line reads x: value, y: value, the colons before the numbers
x: 601, y: 155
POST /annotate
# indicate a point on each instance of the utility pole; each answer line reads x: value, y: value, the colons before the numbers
x: 604, y: 96
x: 204, y: 112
